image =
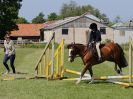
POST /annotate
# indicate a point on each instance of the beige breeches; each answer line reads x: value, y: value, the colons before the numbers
x: 98, y: 49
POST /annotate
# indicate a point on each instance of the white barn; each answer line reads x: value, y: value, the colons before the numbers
x: 123, y: 32
x: 74, y: 29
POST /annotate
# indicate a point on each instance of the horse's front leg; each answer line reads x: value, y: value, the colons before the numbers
x: 91, y: 73
x: 82, y: 74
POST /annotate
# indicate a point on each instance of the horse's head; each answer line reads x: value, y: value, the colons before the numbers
x: 73, y: 51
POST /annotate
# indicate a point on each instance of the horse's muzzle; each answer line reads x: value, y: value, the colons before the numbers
x: 70, y: 59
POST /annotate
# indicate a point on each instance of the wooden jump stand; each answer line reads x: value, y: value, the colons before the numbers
x: 50, y: 63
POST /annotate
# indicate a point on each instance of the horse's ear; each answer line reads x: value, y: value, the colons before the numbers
x: 73, y: 43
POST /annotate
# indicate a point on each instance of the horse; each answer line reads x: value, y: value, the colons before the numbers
x: 110, y: 52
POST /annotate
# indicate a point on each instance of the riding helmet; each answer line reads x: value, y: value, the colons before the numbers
x: 93, y: 26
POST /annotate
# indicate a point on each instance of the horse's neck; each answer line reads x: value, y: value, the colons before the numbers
x: 82, y: 51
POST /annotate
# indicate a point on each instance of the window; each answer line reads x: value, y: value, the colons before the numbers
x: 64, y: 31
x: 103, y: 30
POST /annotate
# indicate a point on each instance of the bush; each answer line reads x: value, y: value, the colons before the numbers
x: 37, y: 45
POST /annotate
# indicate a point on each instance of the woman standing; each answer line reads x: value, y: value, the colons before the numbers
x: 9, y: 50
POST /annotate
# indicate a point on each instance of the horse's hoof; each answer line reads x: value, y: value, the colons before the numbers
x: 118, y: 71
x: 121, y: 73
x: 91, y: 82
x: 77, y: 82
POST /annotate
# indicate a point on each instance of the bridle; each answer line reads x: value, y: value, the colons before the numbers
x: 72, y: 56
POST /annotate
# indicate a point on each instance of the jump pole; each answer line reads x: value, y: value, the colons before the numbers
x: 73, y: 34
x: 53, y: 47
x: 130, y: 59
x: 75, y: 72
x: 101, y: 78
x: 121, y: 83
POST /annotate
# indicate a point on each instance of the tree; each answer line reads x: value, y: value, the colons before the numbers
x: 39, y: 19
x: 52, y: 16
x: 68, y: 10
x: 72, y: 9
x: 8, y: 13
x: 21, y: 20
x: 117, y: 19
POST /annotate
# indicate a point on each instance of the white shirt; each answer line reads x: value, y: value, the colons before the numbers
x: 9, y: 47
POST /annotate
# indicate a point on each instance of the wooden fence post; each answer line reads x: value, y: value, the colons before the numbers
x: 53, y: 47
x: 130, y: 60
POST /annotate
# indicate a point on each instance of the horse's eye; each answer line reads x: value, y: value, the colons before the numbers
x: 72, y: 52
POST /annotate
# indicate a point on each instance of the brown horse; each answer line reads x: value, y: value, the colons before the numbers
x: 110, y: 52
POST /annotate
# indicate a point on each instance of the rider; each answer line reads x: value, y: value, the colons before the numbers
x: 95, y: 37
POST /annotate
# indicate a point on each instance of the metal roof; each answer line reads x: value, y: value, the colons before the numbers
x: 70, y: 19
x: 123, y: 26
x: 93, y: 17
x: 61, y: 22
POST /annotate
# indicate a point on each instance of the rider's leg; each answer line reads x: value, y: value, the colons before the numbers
x: 98, y: 49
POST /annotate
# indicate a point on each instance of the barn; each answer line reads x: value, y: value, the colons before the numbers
x: 27, y: 32
x: 123, y: 31
x: 74, y: 29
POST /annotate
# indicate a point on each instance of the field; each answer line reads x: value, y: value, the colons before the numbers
x: 58, y: 89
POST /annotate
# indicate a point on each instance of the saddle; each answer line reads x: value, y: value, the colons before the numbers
x: 92, y: 46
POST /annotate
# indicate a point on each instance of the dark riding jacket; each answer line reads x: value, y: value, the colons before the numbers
x: 95, y: 36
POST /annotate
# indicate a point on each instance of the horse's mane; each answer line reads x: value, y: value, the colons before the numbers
x: 79, y: 44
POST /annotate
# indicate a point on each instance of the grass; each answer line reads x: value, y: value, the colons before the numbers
x: 58, y: 89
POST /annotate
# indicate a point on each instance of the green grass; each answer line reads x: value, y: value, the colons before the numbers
x: 58, y: 89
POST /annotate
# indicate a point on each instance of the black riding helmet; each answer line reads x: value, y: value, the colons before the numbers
x: 93, y: 26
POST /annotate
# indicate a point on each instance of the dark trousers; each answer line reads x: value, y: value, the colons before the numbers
x: 12, y: 58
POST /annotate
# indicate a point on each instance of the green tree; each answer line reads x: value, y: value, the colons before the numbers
x: 39, y: 19
x: 21, y: 20
x: 52, y: 16
x: 72, y: 9
x: 87, y: 8
x: 8, y: 13
x: 117, y: 19
x: 68, y: 10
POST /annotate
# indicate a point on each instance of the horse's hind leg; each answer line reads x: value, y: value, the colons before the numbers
x: 119, y: 71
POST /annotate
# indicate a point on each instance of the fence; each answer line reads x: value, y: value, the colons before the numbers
x: 130, y: 59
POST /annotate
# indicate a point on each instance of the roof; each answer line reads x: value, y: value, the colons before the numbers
x: 70, y: 19
x: 123, y: 26
x: 93, y: 17
x: 61, y: 22
x: 118, y: 24
x: 28, y: 30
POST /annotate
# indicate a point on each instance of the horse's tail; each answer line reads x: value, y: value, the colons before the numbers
x: 122, y: 60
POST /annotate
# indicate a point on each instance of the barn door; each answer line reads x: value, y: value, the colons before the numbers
x: 87, y: 36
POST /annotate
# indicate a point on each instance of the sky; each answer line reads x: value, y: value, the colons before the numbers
x: 112, y: 8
